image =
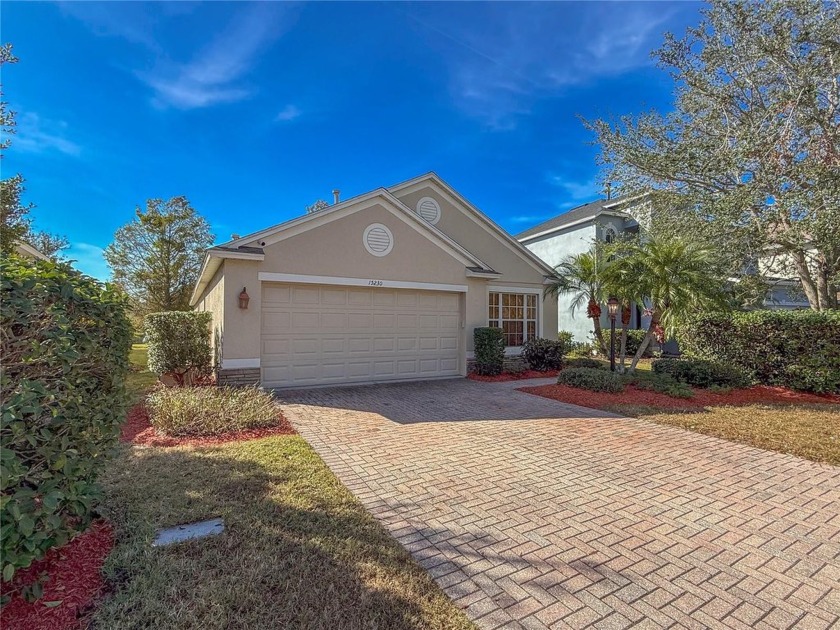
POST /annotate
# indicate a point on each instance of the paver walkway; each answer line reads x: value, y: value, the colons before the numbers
x: 533, y: 514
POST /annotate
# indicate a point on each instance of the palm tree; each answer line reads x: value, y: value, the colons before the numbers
x: 677, y: 277
x: 580, y: 275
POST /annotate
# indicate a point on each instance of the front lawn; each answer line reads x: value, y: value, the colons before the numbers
x: 299, y: 551
x: 771, y: 418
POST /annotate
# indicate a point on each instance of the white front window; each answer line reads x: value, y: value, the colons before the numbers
x: 515, y: 314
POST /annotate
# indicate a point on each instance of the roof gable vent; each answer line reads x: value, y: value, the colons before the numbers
x: 378, y: 239
x: 429, y: 209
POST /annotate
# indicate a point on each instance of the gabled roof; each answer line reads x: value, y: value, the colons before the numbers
x: 250, y: 246
x: 580, y: 214
x: 479, y: 217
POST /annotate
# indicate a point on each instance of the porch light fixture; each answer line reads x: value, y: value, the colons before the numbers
x: 612, y: 307
x: 244, y: 298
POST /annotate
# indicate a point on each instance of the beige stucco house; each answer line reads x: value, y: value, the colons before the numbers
x: 385, y: 286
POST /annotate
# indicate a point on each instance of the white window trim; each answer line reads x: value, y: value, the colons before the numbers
x: 436, y: 204
x: 512, y: 350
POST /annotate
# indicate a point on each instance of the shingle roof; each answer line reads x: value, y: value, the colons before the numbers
x: 586, y: 211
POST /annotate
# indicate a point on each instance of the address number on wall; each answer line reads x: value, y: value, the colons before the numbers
x: 375, y: 283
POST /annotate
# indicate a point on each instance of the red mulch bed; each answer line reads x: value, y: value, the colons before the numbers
x: 75, y: 581
x: 138, y: 430
x: 702, y: 398
x: 510, y: 376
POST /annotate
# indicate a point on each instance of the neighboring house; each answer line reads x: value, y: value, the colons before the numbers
x: 27, y: 251
x: 385, y: 286
x: 574, y: 232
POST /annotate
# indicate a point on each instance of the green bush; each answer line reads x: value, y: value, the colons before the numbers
x: 813, y: 378
x: 634, y: 340
x: 661, y: 383
x: 179, y: 344
x: 701, y: 373
x: 567, y: 339
x: 584, y: 362
x: 65, y: 345
x: 799, y: 349
x: 195, y: 411
x: 543, y: 355
x: 489, y: 351
x: 589, y: 378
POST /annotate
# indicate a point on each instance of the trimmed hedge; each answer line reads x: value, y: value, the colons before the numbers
x: 798, y: 349
x: 591, y: 379
x: 489, y: 350
x: 543, y: 355
x: 196, y: 411
x: 179, y: 344
x: 585, y: 362
x: 65, y: 346
x: 701, y: 372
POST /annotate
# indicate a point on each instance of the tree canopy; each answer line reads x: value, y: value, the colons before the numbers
x: 749, y: 157
x: 157, y: 257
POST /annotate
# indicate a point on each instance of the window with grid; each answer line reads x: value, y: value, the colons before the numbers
x: 515, y: 314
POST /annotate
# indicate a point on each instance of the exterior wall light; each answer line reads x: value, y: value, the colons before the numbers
x: 244, y: 298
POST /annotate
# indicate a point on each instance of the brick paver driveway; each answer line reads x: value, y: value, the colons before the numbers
x: 533, y: 514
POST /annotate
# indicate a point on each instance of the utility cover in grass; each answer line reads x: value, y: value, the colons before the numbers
x: 180, y: 533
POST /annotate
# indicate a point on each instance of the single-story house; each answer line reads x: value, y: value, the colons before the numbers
x: 386, y: 286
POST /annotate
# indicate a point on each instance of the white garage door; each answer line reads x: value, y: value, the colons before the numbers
x: 321, y: 335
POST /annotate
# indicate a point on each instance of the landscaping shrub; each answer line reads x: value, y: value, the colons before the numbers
x: 634, y: 340
x: 197, y: 411
x: 799, y: 349
x: 701, y: 373
x: 591, y: 379
x: 812, y: 378
x: 543, y: 355
x: 567, y: 339
x: 65, y: 346
x: 584, y: 362
x: 179, y: 344
x: 662, y: 383
x: 489, y: 351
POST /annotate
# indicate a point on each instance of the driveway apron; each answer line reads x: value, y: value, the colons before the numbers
x: 531, y: 513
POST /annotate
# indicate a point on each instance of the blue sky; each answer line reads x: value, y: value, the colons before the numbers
x: 255, y: 110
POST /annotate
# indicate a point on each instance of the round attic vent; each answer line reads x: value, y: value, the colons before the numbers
x: 429, y: 209
x: 378, y: 239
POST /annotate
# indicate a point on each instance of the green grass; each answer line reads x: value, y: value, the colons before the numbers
x: 810, y: 431
x: 139, y: 379
x: 299, y: 551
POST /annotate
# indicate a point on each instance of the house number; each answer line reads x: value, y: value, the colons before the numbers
x: 375, y: 283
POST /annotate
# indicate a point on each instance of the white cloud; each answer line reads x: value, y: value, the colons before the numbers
x: 502, y: 64
x: 575, y: 189
x: 288, y: 113
x: 213, y: 75
x: 40, y: 135
x: 88, y: 259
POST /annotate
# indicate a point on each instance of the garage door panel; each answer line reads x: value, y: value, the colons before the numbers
x: 276, y: 321
x: 384, y: 320
x: 333, y: 346
x: 407, y: 344
x: 334, y: 320
x: 360, y: 320
x: 324, y: 335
